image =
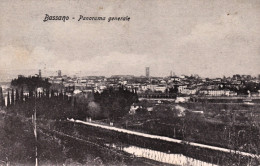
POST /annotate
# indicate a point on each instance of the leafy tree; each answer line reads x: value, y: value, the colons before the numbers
x: 31, y: 83
x: 94, y: 109
x: 141, y: 111
x: 115, y: 103
x: 173, y: 89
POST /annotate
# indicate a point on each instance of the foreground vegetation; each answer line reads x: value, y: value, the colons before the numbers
x: 18, y: 143
x: 230, y: 126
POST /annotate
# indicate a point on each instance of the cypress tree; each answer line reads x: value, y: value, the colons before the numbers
x: 72, y: 101
x: 75, y: 102
x: 61, y: 94
x: 17, y: 97
x: 12, y: 97
x: 68, y: 89
x: 30, y: 93
x: 69, y: 99
x: 8, y: 99
x: 47, y: 94
x: 3, y: 102
x: 64, y: 96
x: 52, y: 93
x: 26, y: 97
x: 1, y: 97
x: 22, y: 97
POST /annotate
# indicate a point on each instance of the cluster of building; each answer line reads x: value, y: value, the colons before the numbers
x: 182, y: 85
x: 183, y: 88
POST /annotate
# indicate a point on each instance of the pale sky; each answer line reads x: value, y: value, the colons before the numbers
x: 205, y: 37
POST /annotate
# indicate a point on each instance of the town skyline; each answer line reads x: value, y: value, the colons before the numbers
x: 46, y: 73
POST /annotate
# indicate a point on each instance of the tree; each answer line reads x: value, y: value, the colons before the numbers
x: 22, y: 97
x: 115, y: 103
x: 173, y: 89
x: 52, y: 93
x: 2, y: 102
x: 31, y: 82
x: 141, y: 111
x: 17, y: 97
x: 30, y: 93
x: 74, y: 102
x: 48, y: 93
x: 12, y: 97
x: 93, y: 109
x: 8, y: 99
x: 61, y: 94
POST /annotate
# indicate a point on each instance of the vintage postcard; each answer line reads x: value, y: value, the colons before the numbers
x: 130, y: 82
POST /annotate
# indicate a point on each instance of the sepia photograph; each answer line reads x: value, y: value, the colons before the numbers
x: 129, y: 83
